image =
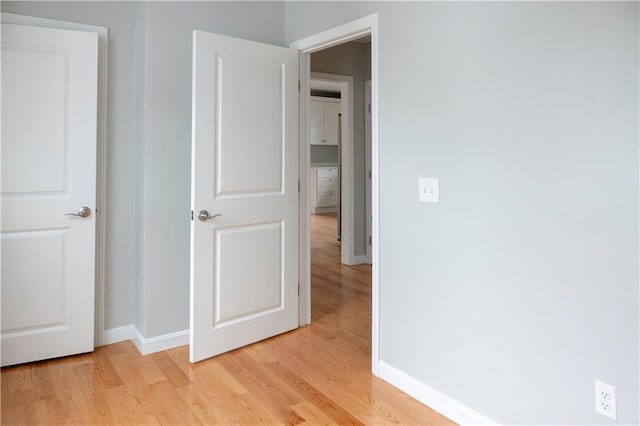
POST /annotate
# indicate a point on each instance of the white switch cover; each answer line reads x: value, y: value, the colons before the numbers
x: 428, y: 188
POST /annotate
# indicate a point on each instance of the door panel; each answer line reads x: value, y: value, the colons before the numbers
x: 49, y: 116
x: 244, y: 168
x: 249, y: 112
x: 29, y: 256
x: 261, y: 247
x: 37, y: 83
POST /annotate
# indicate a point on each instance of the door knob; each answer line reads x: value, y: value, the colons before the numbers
x: 203, y: 215
x: 83, y: 212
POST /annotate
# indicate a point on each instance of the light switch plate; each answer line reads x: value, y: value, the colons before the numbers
x: 428, y: 190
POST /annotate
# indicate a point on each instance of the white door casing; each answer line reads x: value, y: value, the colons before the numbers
x: 49, y: 124
x: 353, y: 30
x: 244, y: 263
x: 367, y: 156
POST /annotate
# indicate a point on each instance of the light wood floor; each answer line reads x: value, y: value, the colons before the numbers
x: 319, y: 374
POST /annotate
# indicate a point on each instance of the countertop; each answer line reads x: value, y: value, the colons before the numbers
x: 324, y: 164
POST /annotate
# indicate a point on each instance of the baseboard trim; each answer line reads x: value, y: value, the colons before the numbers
x: 150, y: 345
x: 359, y: 259
x: 117, y: 335
x: 440, y: 402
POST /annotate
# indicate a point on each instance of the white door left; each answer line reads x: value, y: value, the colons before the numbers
x: 48, y: 161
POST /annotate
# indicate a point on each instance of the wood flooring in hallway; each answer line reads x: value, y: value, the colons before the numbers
x: 318, y: 374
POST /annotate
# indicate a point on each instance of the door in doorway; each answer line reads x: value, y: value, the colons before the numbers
x: 48, y: 192
x: 244, y: 229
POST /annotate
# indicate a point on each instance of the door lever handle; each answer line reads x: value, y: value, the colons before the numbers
x: 83, y: 212
x: 203, y: 215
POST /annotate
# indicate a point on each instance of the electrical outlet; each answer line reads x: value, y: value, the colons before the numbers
x: 605, y: 400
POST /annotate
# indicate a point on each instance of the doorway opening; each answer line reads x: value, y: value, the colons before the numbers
x: 363, y: 31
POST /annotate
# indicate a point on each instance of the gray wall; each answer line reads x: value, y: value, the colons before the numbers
x: 516, y: 291
x: 352, y: 59
x: 324, y: 154
x: 520, y: 288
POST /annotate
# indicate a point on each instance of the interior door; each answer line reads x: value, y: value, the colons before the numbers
x: 244, y: 244
x: 49, y: 116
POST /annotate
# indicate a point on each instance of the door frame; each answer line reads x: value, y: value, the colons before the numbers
x: 323, y: 40
x: 344, y: 84
x: 101, y: 149
x: 367, y: 168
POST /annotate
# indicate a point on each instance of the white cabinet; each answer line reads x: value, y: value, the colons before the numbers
x: 324, y: 189
x: 324, y: 120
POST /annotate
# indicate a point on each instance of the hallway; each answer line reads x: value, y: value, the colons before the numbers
x: 318, y: 374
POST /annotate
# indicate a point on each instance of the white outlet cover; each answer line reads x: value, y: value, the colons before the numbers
x: 605, y: 400
x: 428, y: 190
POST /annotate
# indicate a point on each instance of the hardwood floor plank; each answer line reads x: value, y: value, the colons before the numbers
x: 167, y: 366
x: 317, y: 374
x: 312, y: 415
x: 261, y: 383
x: 125, y: 407
x: 69, y: 394
x: 311, y: 394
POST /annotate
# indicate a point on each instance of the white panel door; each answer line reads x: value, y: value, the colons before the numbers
x: 49, y: 116
x: 244, y: 262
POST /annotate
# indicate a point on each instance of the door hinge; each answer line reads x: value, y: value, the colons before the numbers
x: 298, y: 186
x: 369, y: 174
x: 191, y: 214
x: 298, y: 289
x: 369, y: 240
x: 369, y: 108
x: 299, y: 85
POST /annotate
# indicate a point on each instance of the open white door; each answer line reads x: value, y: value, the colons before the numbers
x: 49, y: 116
x: 244, y: 258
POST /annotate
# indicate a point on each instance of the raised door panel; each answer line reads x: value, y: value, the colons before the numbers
x: 249, y: 134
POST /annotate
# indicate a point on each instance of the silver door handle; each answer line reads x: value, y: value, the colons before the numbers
x: 203, y: 215
x: 83, y: 212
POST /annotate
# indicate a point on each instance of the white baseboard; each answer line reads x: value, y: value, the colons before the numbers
x: 440, y: 402
x: 117, y: 334
x: 150, y: 345
x: 359, y: 259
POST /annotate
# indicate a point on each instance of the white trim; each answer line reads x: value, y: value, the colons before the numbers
x: 306, y: 46
x: 359, y: 259
x: 150, y: 345
x: 304, y: 237
x: 438, y: 401
x: 101, y: 140
x: 367, y: 168
x: 117, y: 334
x: 338, y: 35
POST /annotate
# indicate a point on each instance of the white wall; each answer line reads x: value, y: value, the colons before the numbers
x: 520, y: 288
x: 352, y: 59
